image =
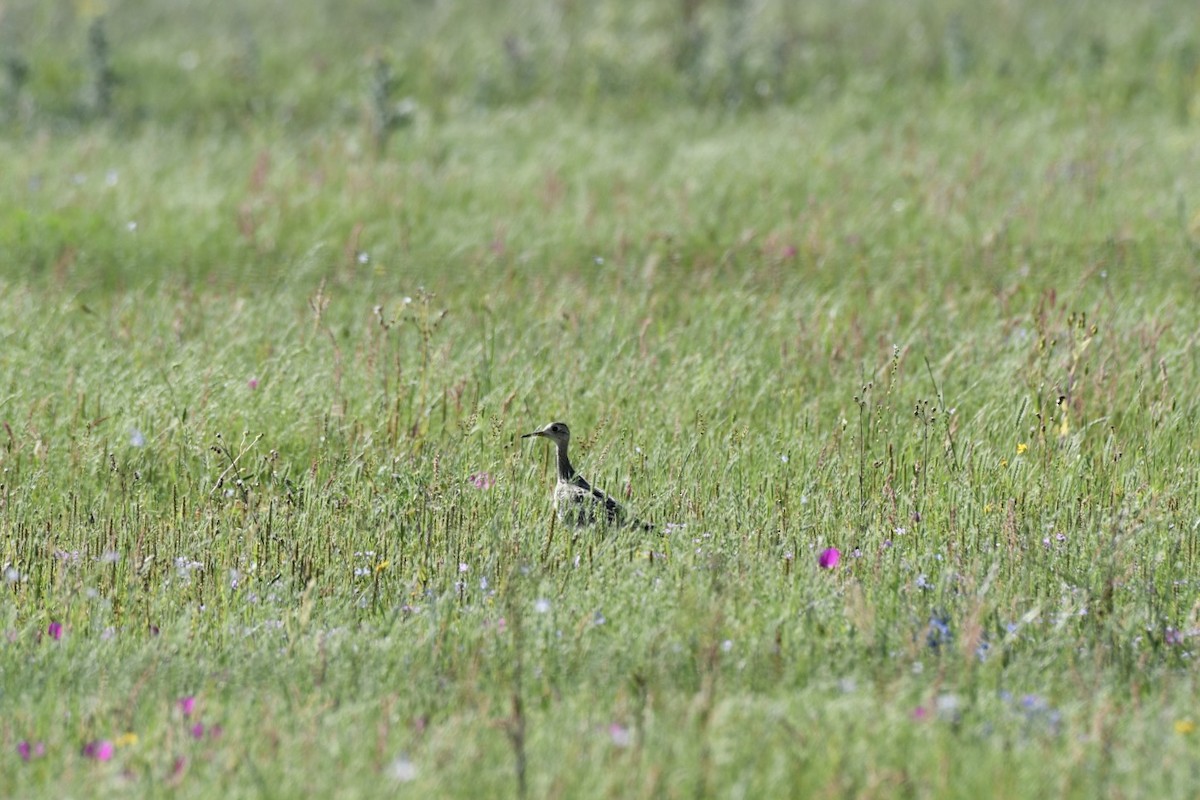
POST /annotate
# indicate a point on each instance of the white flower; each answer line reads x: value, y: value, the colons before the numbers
x: 402, y: 770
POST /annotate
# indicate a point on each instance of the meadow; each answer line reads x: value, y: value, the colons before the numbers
x: 282, y: 284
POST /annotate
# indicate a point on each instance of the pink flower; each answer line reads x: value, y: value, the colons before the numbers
x: 252, y: 383
x: 829, y: 558
x: 197, y: 730
x: 187, y: 705
x: 55, y: 629
x: 619, y: 735
x: 100, y: 750
x: 920, y: 713
x: 482, y: 480
x: 215, y: 732
x: 28, y: 750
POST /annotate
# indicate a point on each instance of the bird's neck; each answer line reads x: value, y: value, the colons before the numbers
x: 565, y: 471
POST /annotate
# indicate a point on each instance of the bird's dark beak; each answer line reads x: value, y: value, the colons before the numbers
x: 534, y: 433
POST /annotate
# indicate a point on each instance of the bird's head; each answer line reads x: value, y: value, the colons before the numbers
x: 557, y: 431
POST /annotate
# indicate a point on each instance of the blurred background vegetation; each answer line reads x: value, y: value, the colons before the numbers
x: 311, y: 65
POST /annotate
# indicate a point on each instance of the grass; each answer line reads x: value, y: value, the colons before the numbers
x: 919, y: 290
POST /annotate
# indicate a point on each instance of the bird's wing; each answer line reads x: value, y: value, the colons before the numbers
x: 612, y: 509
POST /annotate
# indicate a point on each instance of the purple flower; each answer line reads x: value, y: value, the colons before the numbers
x: 920, y: 713
x: 55, y: 629
x: 187, y: 705
x: 100, y: 750
x: 28, y: 750
x: 252, y: 383
x: 482, y: 480
x: 1173, y: 636
x: 829, y: 558
x: 215, y: 732
x: 197, y: 730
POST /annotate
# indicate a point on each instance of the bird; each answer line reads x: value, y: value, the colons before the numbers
x: 575, y: 501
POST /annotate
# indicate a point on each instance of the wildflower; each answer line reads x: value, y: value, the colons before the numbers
x: 187, y: 705
x: 541, y: 605
x: 55, y: 630
x: 1021, y: 448
x: 619, y: 735
x: 727, y: 645
x: 402, y: 770
x: 1003, y: 463
x: 482, y: 480
x: 28, y: 750
x: 197, y: 730
x: 136, y: 438
x: 829, y: 558
x: 920, y: 713
x: 252, y: 384
x: 463, y: 567
x: 939, y: 633
x: 1172, y: 636
x: 126, y: 739
x: 99, y: 750
x: 948, y: 705
x: 382, y: 565
x: 1184, y: 726
x: 215, y: 732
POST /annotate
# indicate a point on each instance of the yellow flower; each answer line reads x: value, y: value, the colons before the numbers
x: 1021, y: 447
x: 382, y: 565
x: 131, y: 738
x: 1003, y: 463
x: 987, y: 508
x: 1184, y: 726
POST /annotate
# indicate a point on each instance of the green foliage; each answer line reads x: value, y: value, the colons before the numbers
x: 281, y: 282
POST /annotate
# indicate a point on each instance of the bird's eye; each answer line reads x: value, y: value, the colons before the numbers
x: 556, y: 429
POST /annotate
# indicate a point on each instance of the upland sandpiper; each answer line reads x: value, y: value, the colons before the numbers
x: 575, y: 501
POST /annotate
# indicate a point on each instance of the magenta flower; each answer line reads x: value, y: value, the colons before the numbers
x: 829, y: 558
x: 252, y: 383
x: 482, y: 480
x: 197, y: 730
x: 100, y: 750
x: 55, y: 629
x: 187, y: 705
x: 28, y: 750
x: 920, y: 713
